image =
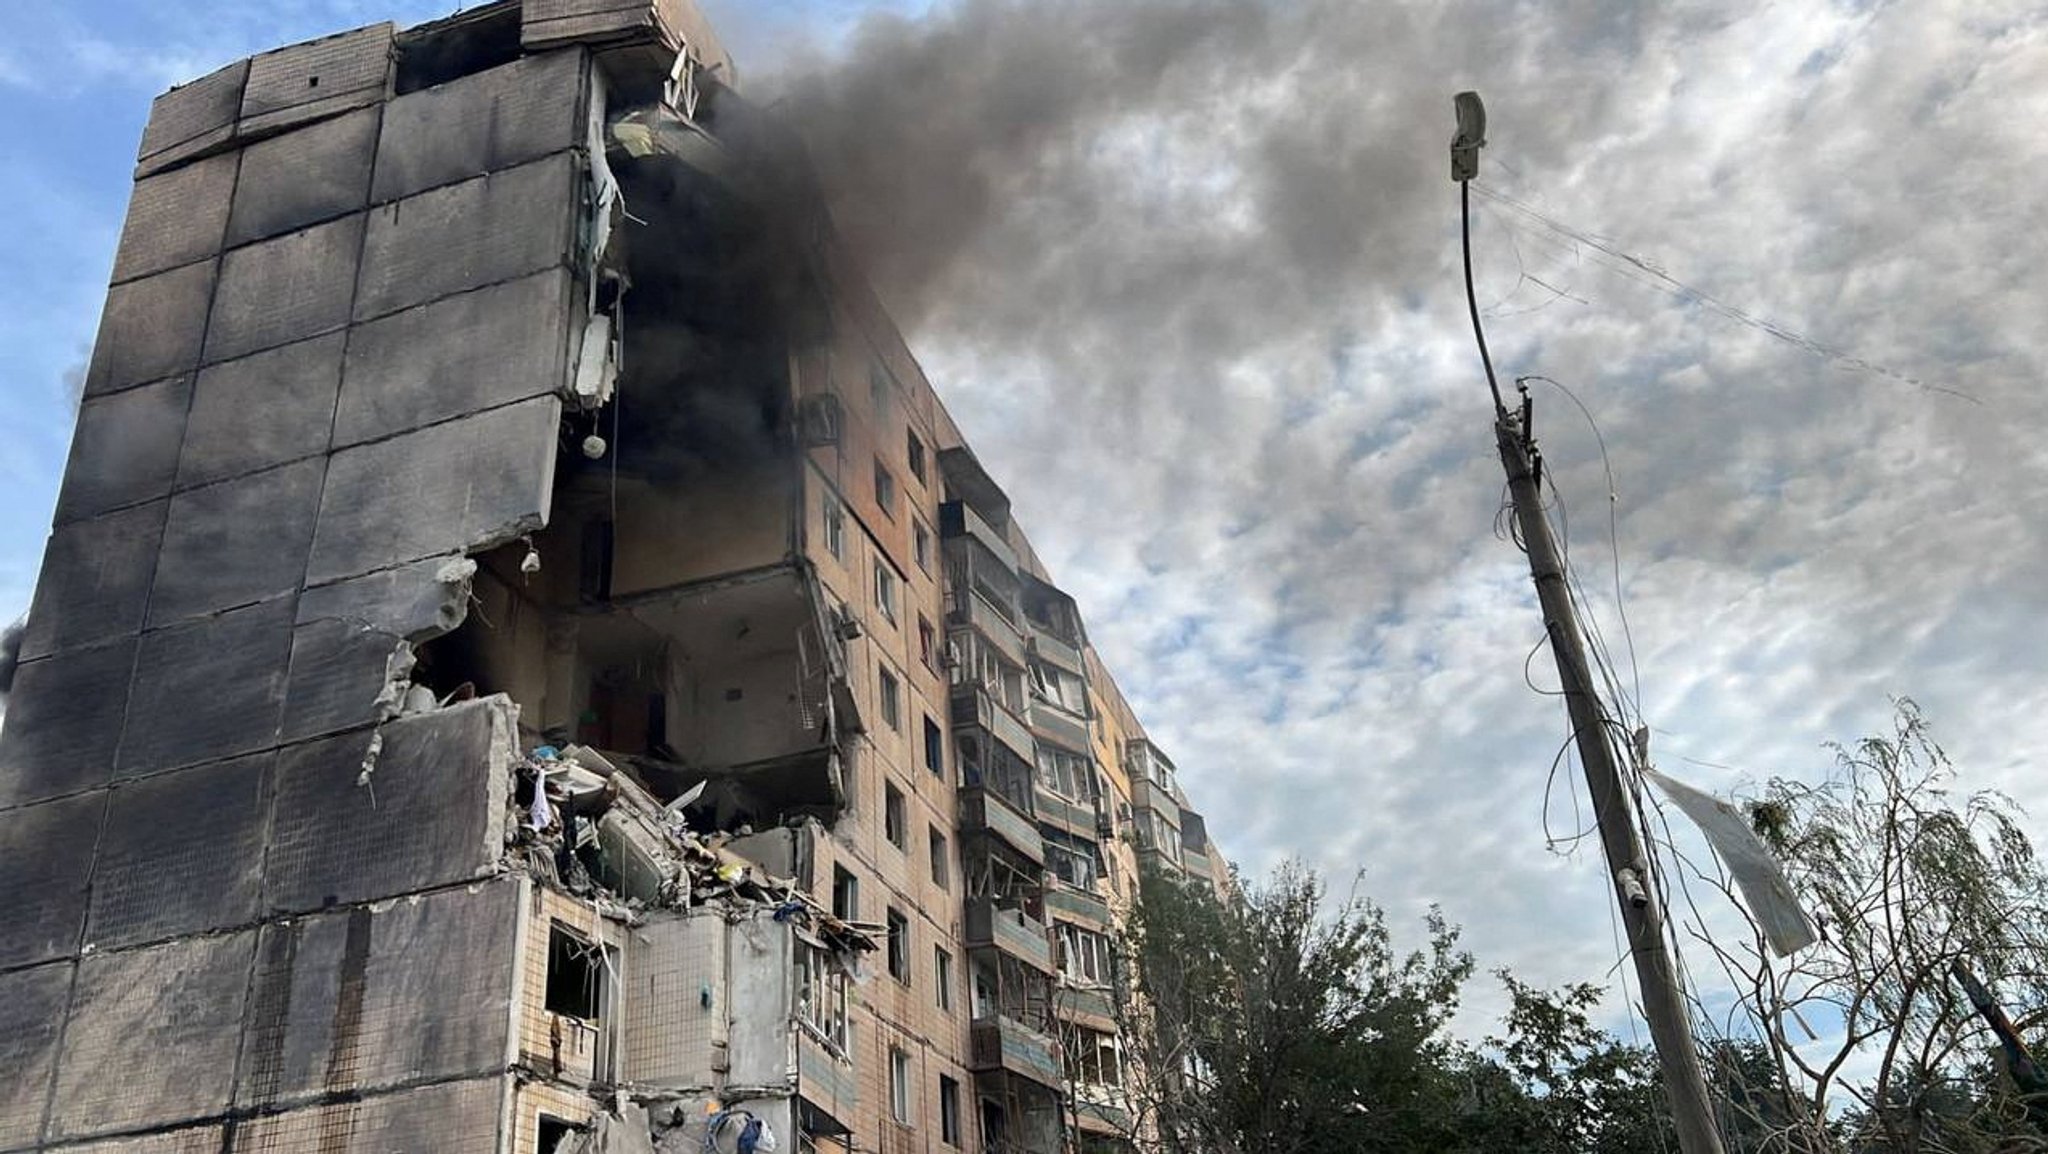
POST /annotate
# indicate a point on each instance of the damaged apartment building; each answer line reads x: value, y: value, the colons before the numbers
x: 525, y: 663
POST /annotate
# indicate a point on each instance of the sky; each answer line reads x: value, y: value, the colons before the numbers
x: 1186, y: 271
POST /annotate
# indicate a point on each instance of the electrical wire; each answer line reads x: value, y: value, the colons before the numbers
x: 1471, y: 297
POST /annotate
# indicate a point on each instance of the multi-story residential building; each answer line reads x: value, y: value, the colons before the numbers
x: 526, y: 663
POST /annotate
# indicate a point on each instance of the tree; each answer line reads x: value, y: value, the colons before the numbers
x: 1274, y: 1024
x: 1907, y: 882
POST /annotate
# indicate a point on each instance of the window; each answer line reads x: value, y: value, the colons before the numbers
x: 575, y: 975
x: 845, y: 895
x: 942, y: 978
x: 949, y: 1111
x: 1070, y: 860
x: 885, y: 590
x: 941, y: 875
x: 921, y: 545
x: 553, y: 1133
x: 1064, y: 773
x: 899, y: 947
x: 914, y: 449
x: 1094, y: 1060
x: 892, y: 700
x: 835, y: 526
x: 927, y: 644
x: 1084, y: 954
x: 1052, y: 684
x: 821, y: 995
x: 934, y: 748
x: 893, y: 819
x: 885, y: 491
x: 899, y: 1085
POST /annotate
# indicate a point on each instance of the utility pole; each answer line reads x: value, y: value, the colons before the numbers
x: 1592, y: 729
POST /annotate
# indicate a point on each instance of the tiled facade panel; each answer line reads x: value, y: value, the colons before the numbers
x: 125, y: 450
x: 423, y: 808
x: 449, y: 1118
x: 31, y: 1013
x: 176, y: 217
x: 379, y: 996
x: 302, y: 178
x: 151, y: 328
x: 483, y: 122
x: 63, y: 724
x: 95, y: 580
x: 671, y: 1035
x: 284, y: 289
x: 260, y: 410
x: 182, y: 852
x: 211, y: 561
x: 151, y: 1036
x: 484, y: 230
x: 207, y: 688
x: 46, y: 854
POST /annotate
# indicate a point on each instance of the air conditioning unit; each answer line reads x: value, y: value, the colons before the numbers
x: 846, y: 624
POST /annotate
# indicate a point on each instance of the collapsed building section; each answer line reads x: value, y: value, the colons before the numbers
x: 524, y: 661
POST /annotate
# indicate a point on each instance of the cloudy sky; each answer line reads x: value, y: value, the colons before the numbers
x: 1186, y: 271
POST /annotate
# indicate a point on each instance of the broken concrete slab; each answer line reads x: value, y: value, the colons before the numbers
x: 182, y: 852
x: 261, y: 410
x: 284, y: 289
x: 192, y: 119
x: 125, y: 450
x: 151, y: 328
x: 207, y: 689
x: 364, y: 999
x: 45, y: 864
x: 306, y: 176
x: 63, y: 722
x: 462, y: 353
x: 31, y: 1010
x: 463, y: 236
x: 454, y: 487
x: 95, y: 580
x: 413, y: 602
x: 176, y: 217
x: 418, y: 802
x: 237, y: 542
x: 151, y: 1037
x: 480, y: 123
x: 316, y: 80
x: 668, y: 24
x: 451, y: 1118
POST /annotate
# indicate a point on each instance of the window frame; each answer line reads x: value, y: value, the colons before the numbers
x: 886, y: 490
x: 895, y: 816
x: 899, y: 945
x: 889, y: 693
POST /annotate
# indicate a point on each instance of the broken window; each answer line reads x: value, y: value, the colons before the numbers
x: 891, y: 692
x: 1051, y: 683
x: 921, y: 545
x: 821, y: 995
x: 1063, y: 773
x: 934, y: 748
x: 885, y: 589
x: 942, y: 978
x: 941, y: 875
x: 552, y: 1134
x: 899, y: 1085
x: 1070, y: 859
x: 575, y: 975
x: 885, y: 491
x: 835, y: 526
x: 1093, y: 1059
x: 845, y: 895
x: 949, y: 1111
x: 893, y: 817
x: 899, y: 946
x: 820, y: 417
x: 1084, y: 954
x: 927, y: 644
x: 914, y: 450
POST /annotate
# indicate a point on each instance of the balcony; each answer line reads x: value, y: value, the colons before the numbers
x: 1057, y: 651
x: 1149, y: 795
x: 984, y: 811
x: 1197, y: 863
x: 1009, y: 931
x: 1058, y: 726
x: 1077, y: 906
x: 1000, y: 1044
x: 957, y: 519
x: 1064, y: 815
x: 1107, y: 1119
x: 972, y: 609
x: 972, y: 705
x: 1084, y: 1006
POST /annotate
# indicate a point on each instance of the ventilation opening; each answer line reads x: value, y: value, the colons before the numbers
x: 458, y: 46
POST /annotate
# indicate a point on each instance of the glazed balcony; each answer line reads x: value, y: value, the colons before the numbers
x: 989, y: 926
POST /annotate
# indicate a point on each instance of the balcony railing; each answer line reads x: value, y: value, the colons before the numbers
x: 1057, y: 651
x: 972, y: 705
x: 1009, y: 931
x: 1001, y: 1044
x: 1078, y: 906
x: 1084, y: 1006
x: 984, y: 811
x: 1059, y: 726
x: 971, y: 608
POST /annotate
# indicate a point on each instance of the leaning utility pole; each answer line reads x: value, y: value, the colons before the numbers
x: 1592, y: 729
